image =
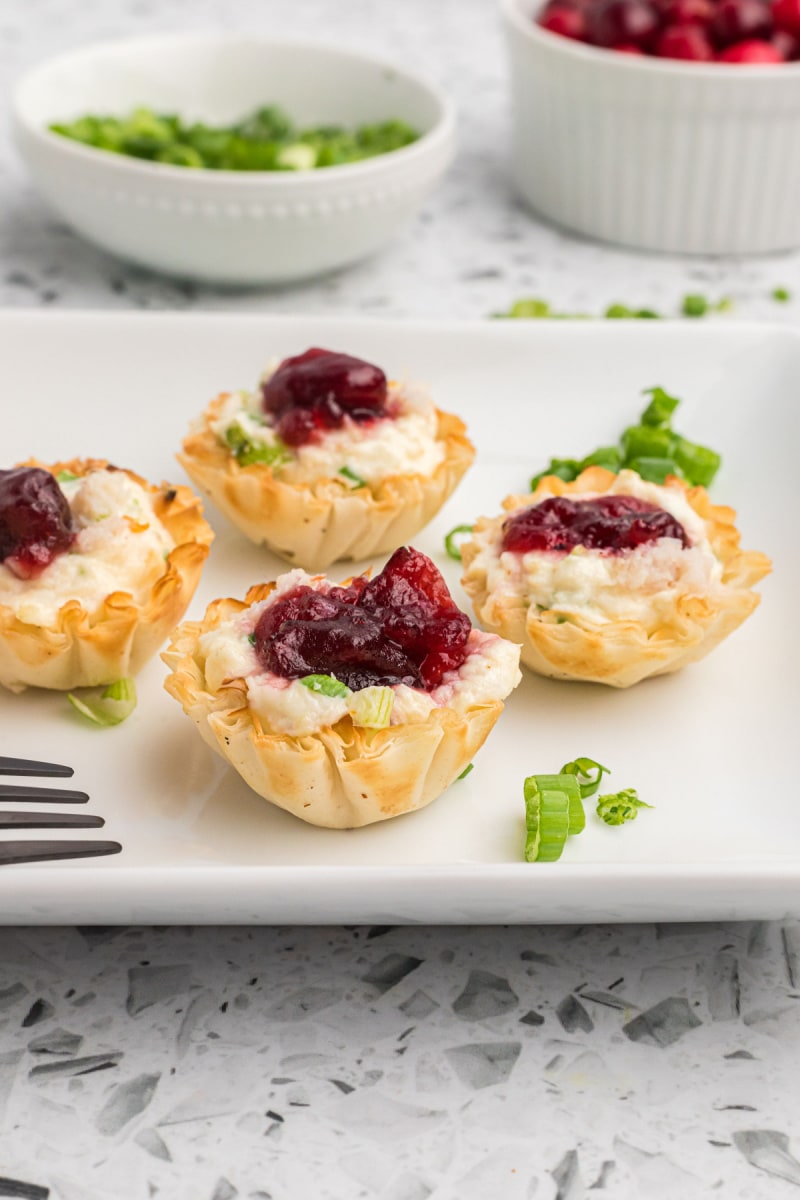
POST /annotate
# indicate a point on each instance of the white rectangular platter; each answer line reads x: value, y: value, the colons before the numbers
x: 712, y: 748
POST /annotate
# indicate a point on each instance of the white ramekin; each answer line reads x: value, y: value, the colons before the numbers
x: 696, y: 158
x: 231, y: 226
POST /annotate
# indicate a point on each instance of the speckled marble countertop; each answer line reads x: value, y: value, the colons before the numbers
x: 389, y: 1063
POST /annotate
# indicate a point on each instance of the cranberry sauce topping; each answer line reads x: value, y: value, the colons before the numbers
x: 35, y: 521
x: 400, y: 627
x: 610, y: 523
x: 314, y: 392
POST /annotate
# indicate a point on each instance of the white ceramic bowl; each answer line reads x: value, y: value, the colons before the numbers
x: 230, y: 226
x: 698, y: 158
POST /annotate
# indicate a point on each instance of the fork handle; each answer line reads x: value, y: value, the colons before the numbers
x: 34, y: 851
x: 28, y: 766
x: 47, y: 820
x: 41, y: 795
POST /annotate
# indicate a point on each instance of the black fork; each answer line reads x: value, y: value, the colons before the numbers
x: 42, y: 850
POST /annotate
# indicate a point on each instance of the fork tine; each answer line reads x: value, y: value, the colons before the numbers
x: 46, y: 820
x: 34, y: 851
x: 41, y: 795
x: 28, y: 766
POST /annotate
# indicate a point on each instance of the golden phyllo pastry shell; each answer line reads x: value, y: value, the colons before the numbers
x: 341, y: 777
x: 621, y: 652
x: 312, y: 525
x: 86, y: 649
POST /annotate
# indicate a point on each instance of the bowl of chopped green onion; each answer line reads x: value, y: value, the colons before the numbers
x: 232, y: 158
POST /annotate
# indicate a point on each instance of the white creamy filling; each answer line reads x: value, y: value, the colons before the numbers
x: 120, y: 547
x: 636, y: 585
x: 405, y: 444
x: 488, y: 674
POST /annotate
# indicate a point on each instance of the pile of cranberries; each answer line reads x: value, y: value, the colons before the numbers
x: 612, y: 524
x: 725, y: 31
x: 314, y: 392
x: 403, y: 626
x: 35, y: 521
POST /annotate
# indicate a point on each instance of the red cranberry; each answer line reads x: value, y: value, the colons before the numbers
x: 326, y: 387
x: 688, y: 12
x: 568, y: 22
x: 751, y: 53
x: 787, y: 45
x: 786, y: 16
x: 403, y: 626
x: 689, y: 42
x: 35, y: 521
x: 628, y: 21
x: 740, y: 20
x: 610, y: 523
x: 627, y: 48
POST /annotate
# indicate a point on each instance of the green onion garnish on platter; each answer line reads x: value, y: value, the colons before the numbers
x: 105, y: 706
x: 452, y: 545
x: 618, y: 807
x: 651, y: 448
x: 554, y: 807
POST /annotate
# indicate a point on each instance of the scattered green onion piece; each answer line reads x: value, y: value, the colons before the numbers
x: 698, y: 464
x: 251, y: 637
x: 326, y: 685
x: 647, y: 441
x: 661, y: 407
x: 355, y: 480
x: 106, y: 706
x: 616, y: 808
x: 781, y: 294
x: 653, y: 470
x: 647, y: 314
x: 609, y: 457
x: 618, y: 312
x: 547, y: 815
x: 247, y: 452
x: 66, y: 477
x: 469, y: 767
x: 451, y: 545
x: 530, y: 308
x: 583, y: 769
x: 694, y: 306
x: 371, y: 707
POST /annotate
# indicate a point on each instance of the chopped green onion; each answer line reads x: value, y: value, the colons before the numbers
x: 247, y: 452
x: 451, y: 545
x: 618, y: 311
x: 661, y: 407
x: 654, y: 470
x: 547, y: 815
x: 647, y: 314
x: 106, y: 705
x: 66, y: 477
x: 697, y: 463
x: 371, y: 707
x: 617, y: 807
x: 646, y: 441
x: 469, y: 767
x: 781, y: 294
x: 251, y: 637
x: 609, y: 457
x: 265, y: 140
x: 694, y: 306
x: 563, y: 468
x: 530, y: 308
x: 355, y: 480
x: 583, y: 769
x: 326, y: 685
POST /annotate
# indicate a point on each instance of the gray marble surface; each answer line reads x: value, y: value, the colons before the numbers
x: 390, y: 1063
